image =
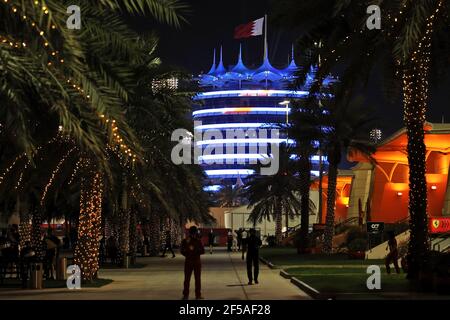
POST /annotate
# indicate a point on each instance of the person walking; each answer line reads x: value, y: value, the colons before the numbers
x: 229, y: 241
x: 253, y: 244
x: 392, y: 256
x: 168, y: 245
x: 211, y: 237
x: 234, y: 247
x: 192, y: 248
x: 244, y: 242
x: 112, y: 250
x: 239, y: 238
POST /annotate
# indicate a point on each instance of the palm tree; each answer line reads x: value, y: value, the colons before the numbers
x: 229, y: 195
x: 79, y: 81
x: 305, y: 135
x: 271, y: 196
x: 410, y: 49
x: 342, y: 126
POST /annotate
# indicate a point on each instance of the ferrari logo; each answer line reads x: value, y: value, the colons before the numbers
x: 436, y: 223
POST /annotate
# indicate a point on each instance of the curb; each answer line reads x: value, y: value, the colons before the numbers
x: 285, y: 275
x: 269, y: 264
x: 306, y: 288
x: 313, y: 293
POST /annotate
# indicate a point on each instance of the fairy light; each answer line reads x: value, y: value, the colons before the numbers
x: 415, y: 75
x: 54, y: 173
x: 89, y: 228
x: 57, y: 58
x: 75, y: 171
x: 11, y: 166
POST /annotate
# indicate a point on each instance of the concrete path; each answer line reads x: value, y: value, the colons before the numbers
x: 223, y: 278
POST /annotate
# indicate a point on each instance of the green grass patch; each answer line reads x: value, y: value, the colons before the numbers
x: 350, y: 284
x: 289, y: 256
x: 346, y: 285
x: 320, y: 271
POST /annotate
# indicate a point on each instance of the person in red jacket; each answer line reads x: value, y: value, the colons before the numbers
x: 192, y: 248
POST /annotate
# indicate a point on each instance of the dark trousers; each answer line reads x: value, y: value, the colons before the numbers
x: 252, y: 259
x: 168, y: 246
x: 392, y: 257
x: 190, y: 266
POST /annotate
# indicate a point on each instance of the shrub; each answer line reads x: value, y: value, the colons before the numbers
x: 355, y: 233
x: 271, y: 240
x: 358, y: 244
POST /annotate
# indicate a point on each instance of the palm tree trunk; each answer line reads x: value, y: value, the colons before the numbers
x: 36, y: 241
x: 331, y: 200
x: 415, y: 88
x: 155, y: 240
x: 124, y: 236
x: 25, y: 225
x: 319, y: 209
x: 89, y: 225
x: 124, y: 228
x: 133, y: 237
x: 305, y: 181
x: 278, y: 222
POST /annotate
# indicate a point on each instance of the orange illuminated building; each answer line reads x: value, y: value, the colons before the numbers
x: 343, y: 187
x: 381, y: 187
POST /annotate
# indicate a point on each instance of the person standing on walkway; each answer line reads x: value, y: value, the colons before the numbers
x: 392, y: 256
x: 168, y: 245
x: 239, y: 238
x: 192, y: 248
x: 244, y: 242
x: 253, y: 244
x: 211, y: 237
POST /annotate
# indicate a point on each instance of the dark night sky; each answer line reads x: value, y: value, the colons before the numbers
x: 211, y: 24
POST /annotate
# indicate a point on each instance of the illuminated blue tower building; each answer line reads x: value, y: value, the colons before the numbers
x: 237, y: 98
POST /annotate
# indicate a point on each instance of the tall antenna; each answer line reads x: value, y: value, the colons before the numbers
x: 265, y: 37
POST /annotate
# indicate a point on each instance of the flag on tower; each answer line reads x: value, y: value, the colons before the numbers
x: 251, y: 29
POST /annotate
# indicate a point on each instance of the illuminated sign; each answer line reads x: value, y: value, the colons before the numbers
x: 375, y: 227
x: 439, y: 225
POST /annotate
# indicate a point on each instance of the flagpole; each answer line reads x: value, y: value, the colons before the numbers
x: 265, y: 36
x: 266, y: 55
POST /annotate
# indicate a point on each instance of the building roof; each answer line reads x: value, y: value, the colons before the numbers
x: 394, y: 148
x: 266, y: 75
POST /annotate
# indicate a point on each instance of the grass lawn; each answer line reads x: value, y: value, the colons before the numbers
x: 289, y: 257
x: 350, y: 284
x: 338, y: 277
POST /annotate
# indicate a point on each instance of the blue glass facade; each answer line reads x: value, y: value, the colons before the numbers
x: 235, y: 112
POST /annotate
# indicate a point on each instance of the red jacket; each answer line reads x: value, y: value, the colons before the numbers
x: 192, y: 248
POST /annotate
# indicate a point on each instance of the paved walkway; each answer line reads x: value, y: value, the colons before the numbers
x: 223, y: 277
